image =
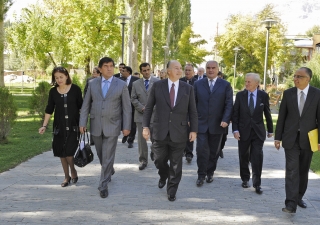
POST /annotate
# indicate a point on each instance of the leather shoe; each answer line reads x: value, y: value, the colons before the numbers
x: 302, y: 204
x: 124, y: 139
x: 209, y: 178
x: 161, y: 183
x: 142, y: 166
x: 199, y: 182
x: 152, y: 156
x: 104, y: 193
x: 130, y: 145
x: 171, y: 198
x: 188, y: 158
x: 221, y: 154
x: 288, y: 209
x: 245, y: 184
x: 258, y: 190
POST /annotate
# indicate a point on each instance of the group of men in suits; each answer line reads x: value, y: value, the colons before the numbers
x: 175, y: 113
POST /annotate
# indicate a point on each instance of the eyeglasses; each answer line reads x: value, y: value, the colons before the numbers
x: 299, y: 76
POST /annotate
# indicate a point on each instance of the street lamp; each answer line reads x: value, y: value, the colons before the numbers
x: 165, y: 48
x: 268, y: 23
x: 236, y: 49
x: 123, y: 17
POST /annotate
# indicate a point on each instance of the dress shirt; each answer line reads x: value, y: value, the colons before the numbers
x: 103, y: 79
x: 213, y: 81
x: 128, y: 80
x: 200, y: 77
x: 255, y: 92
x: 176, y: 88
x: 305, y: 92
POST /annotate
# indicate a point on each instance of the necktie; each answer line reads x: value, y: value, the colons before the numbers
x: 187, y: 81
x: 302, y: 101
x: 251, y: 104
x: 146, y: 83
x: 172, y: 95
x: 211, y: 85
x: 200, y: 77
x: 105, y: 88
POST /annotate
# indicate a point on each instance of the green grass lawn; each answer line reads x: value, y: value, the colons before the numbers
x: 24, y: 141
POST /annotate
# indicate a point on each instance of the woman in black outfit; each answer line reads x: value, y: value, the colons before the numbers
x: 65, y: 100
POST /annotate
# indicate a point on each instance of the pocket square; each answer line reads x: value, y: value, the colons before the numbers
x: 261, y: 104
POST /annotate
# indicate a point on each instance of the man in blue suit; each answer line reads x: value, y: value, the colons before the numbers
x: 214, y: 101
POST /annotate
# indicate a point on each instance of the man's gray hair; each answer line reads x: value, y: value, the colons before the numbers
x: 255, y: 76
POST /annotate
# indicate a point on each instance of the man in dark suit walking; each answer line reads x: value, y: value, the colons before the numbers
x: 129, y: 79
x: 175, y: 104
x: 189, y: 79
x: 214, y: 99
x: 299, y: 113
x: 248, y: 128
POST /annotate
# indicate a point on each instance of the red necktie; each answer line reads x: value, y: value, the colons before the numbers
x: 172, y: 94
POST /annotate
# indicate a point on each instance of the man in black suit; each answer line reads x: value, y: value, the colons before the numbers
x: 299, y: 113
x: 248, y: 128
x: 121, y: 66
x: 189, y: 79
x: 175, y: 104
x: 214, y: 99
x: 224, y: 137
x: 129, y: 79
x: 200, y: 75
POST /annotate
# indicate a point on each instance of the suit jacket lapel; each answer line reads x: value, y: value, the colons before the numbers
x: 205, y: 84
x: 216, y: 85
x: 308, y: 99
x: 295, y: 100
x: 245, y: 101
x: 165, y: 91
x: 258, y: 100
x: 112, y: 86
x: 151, y: 81
x: 180, y: 92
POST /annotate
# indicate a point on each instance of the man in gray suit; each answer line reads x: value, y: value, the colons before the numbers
x: 175, y: 104
x: 299, y: 113
x: 108, y: 102
x: 139, y: 95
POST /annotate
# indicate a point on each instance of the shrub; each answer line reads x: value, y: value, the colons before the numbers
x: 39, y: 99
x: 77, y: 81
x: 8, y: 113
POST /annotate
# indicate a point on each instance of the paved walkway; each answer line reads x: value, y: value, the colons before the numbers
x: 31, y: 194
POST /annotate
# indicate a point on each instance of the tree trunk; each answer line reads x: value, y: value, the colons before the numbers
x: 144, y: 42
x: 131, y: 24
x: 87, y: 67
x: 135, y: 66
x: 1, y: 51
x: 150, y: 38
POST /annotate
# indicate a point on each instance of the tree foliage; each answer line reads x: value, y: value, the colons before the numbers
x: 313, y: 30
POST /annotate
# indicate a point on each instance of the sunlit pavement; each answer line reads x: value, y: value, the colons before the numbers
x: 31, y: 193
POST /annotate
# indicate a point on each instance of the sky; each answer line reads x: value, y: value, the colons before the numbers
x: 298, y: 15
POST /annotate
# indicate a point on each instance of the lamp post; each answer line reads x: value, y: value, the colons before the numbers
x: 123, y: 17
x: 236, y: 49
x: 165, y: 48
x: 268, y: 23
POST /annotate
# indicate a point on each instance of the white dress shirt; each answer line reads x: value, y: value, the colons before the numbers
x: 176, y: 88
x: 305, y: 92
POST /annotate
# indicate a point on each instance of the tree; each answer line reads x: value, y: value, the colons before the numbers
x: 313, y: 30
x: 4, y: 7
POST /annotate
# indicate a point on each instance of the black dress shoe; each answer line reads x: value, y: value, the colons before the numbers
x: 209, y: 179
x: 258, y: 190
x: 130, y: 145
x: 113, y: 171
x: 171, y: 198
x: 199, y: 182
x: 302, y: 204
x: 161, y: 183
x: 104, y: 193
x: 91, y: 143
x: 245, y: 184
x: 124, y: 139
x: 188, y: 158
x: 142, y: 166
x: 288, y: 209
x: 221, y: 154
x: 152, y: 156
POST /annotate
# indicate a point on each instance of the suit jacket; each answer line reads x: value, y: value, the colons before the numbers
x: 215, y: 107
x: 117, y: 75
x: 196, y: 76
x: 290, y: 121
x: 191, y: 81
x: 139, y: 96
x: 87, y: 84
x: 106, y: 114
x: 171, y: 120
x: 132, y: 79
x: 244, y: 122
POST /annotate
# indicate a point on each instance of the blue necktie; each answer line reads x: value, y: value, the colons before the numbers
x: 146, y: 83
x: 211, y: 85
x: 105, y: 88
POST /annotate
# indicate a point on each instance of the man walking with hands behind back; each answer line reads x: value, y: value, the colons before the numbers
x: 108, y: 102
x: 214, y: 100
x: 299, y: 113
x: 174, y: 101
x: 248, y: 128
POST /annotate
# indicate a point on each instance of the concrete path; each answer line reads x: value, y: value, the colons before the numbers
x: 31, y: 194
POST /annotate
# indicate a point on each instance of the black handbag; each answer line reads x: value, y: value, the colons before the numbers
x: 83, y: 156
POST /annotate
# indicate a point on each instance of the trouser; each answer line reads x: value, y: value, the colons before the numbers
x: 142, y: 144
x: 208, y: 147
x: 250, y: 150
x: 297, y: 171
x: 133, y: 130
x: 168, y: 150
x: 189, y: 146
